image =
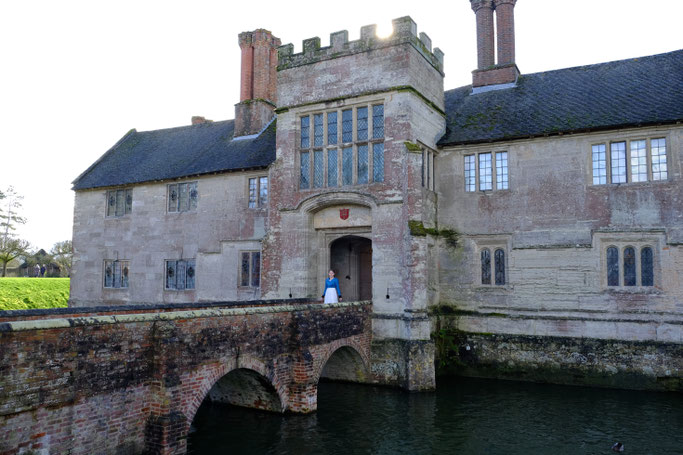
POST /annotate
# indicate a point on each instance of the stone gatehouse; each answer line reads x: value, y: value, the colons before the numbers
x: 543, y: 207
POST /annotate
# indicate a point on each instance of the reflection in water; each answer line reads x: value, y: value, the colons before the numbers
x: 465, y: 416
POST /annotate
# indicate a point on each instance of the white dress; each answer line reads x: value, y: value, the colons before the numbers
x: 331, y: 295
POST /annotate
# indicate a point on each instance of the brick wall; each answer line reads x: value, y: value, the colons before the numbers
x: 128, y: 383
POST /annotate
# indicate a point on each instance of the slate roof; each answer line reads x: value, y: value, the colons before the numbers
x: 634, y: 92
x: 172, y: 153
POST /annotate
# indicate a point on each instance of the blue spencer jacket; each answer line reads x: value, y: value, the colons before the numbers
x: 333, y: 283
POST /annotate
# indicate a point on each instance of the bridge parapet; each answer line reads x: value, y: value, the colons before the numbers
x: 128, y: 383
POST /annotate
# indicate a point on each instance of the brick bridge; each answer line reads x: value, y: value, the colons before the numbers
x: 128, y: 382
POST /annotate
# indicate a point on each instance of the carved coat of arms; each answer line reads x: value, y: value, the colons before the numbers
x: 344, y: 214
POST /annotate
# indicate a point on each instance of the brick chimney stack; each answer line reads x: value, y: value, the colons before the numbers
x: 258, y: 84
x: 488, y: 73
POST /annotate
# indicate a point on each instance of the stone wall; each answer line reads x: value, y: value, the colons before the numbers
x: 213, y: 235
x: 563, y: 360
x: 555, y: 227
x: 123, y: 383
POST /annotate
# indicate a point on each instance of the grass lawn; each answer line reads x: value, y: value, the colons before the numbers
x: 29, y: 293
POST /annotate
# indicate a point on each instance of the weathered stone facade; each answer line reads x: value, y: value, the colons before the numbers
x: 411, y: 237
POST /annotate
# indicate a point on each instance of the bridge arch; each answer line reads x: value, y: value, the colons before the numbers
x: 243, y: 381
x: 343, y: 360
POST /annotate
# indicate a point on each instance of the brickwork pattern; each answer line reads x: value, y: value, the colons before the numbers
x: 127, y: 383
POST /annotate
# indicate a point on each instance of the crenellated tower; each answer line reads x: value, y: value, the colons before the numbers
x: 353, y: 184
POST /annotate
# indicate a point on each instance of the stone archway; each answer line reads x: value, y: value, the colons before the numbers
x: 351, y: 259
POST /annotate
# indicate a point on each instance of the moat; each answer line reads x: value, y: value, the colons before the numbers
x: 464, y: 416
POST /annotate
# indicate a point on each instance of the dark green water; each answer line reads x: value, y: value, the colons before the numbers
x: 464, y: 416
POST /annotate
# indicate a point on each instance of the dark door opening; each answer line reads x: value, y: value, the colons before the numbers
x: 351, y: 260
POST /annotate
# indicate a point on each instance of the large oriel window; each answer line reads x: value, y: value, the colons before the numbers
x: 119, y: 202
x: 342, y: 153
x: 636, y: 160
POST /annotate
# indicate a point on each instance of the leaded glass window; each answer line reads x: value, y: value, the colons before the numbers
x: 304, y: 179
x: 347, y: 126
x: 362, y: 124
x: 618, y: 162
x: 305, y: 132
x: 182, y: 197
x: 347, y: 166
x: 612, y: 266
x: 119, y: 202
x: 250, y: 269
x: 180, y: 274
x: 116, y: 274
x: 485, y: 266
x: 629, y: 266
x: 332, y: 167
x: 640, y: 164
x: 378, y: 121
x: 485, y: 172
x: 263, y: 191
x: 362, y: 164
x: 646, y: 267
x: 638, y: 161
x: 501, y: 170
x: 253, y: 193
x: 470, y: 173
x: 258, y: 192
x: 658, y: 147
x: 318, y: 130
x: 599, y: 165
x: 499, y: 257
x: 318, y: 169
x: 378, y: 162
x: 332, y: 128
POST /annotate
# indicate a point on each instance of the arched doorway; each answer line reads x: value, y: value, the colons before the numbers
x: 351, y: 259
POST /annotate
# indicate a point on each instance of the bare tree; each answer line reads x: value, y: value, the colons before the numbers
x: 10, y: 246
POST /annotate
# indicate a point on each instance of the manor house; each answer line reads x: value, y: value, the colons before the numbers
x: 537, y: 216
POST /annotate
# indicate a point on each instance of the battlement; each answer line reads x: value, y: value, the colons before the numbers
x: 405, y: 32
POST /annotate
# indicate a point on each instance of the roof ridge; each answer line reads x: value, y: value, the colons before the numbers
x: 180, y: 127
x: 569, y: 68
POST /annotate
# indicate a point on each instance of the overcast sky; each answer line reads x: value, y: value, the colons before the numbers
x: 77, y: 75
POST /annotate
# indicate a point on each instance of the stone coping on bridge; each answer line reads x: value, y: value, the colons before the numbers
x: 142, y: 307
x: 57, y: 323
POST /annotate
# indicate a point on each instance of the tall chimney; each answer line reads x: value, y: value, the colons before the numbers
x: 505, y: 28
x: 484, y: 12
x: 258, y: 84
x: 489, y: 74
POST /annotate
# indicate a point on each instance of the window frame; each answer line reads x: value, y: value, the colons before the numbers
x: 621, y: 245
x: 122, y: 264
x: 192, y: 186
x: 629, y: 156
x: 190, y: 270
x: 471, y: 172
x: 492, y: 244
x: 309, y: 179
x: 240, y: 271
x: 127, y: 192
x: 260, y: 202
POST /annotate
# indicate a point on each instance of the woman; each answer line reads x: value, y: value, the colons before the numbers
x: 332, y: 294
